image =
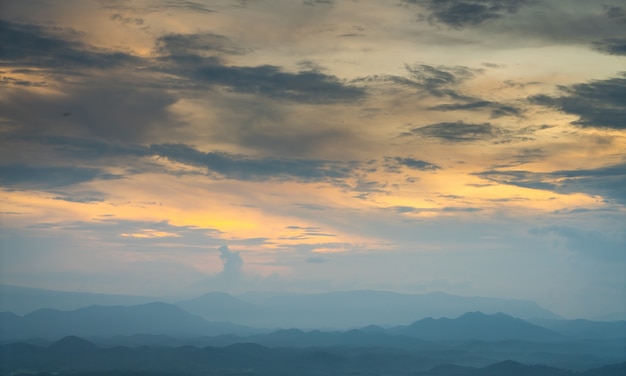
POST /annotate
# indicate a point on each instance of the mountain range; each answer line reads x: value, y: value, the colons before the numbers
x: 149, y: 318
x: 349, y: 309
x: 76, y: 356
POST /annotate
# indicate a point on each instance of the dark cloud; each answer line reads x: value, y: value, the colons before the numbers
x: 197, y: 44
x: 592, y: 243
x: 126, y: 7
x: 48, y: 177
x: 497, y: 109
x: 607, y: 182
x: 463, y: 13
x: 245, y: 168
x: 108, y: 110
x: 271, y: 81
x: 86, y: 148
x: 611, y: 46
x: 460, y: 131
x: 598, y: 103
x: 318, y: 2
x: 83, y: 197
x: 416, y: 164
x: 436, y: 80
x: 440, y: 81
x: 26, y: 45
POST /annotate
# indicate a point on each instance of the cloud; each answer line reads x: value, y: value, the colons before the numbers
x: 233, y: 263
x: 497, y: 109
x: 105, y: 110
x: 34, y: 46
x: 178, y: 45
x: 271, y: 81
x: 460, y: 131
x: 155, y: 6
x: 598, y: 103
x: 611, y: 46
x: 590, y: 243
x: 416, y: 164
x: 48, y: 177
x: 462, y: 13
x: 608, y: 181
x: 245, y: 168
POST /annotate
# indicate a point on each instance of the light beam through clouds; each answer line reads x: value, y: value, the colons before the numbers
x: 411, y: 146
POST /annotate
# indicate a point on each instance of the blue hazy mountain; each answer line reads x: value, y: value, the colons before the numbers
x: 585, y: 329
x: 350, y: 309
x: 477, y: 326
x: 335, y: 310
x: 149, y: 318
x: 23, y: 300
x: 220, y: 306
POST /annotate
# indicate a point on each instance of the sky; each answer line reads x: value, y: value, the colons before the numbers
x: 473, y: 147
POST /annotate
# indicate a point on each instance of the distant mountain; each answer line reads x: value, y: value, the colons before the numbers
x: 220, y: 306
x: 23, y: 300
x: 350, y: 309
x: 476, y: 326
x: 150, y: 318
x: 585, y: 329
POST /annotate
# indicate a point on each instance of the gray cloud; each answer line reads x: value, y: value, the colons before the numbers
x: 196, y: 44
x: 108, y: 110
x: 460, y: 131
x: 155, y: 6
x: 271, y: 81
x: 246, y: 168
x: 497, y: 109
x: 233, y: 263
x: 611, y: 46
x: 608, y: 182
x: 48, y: 177
x: 416, y: 164
x: 463, y: 13
x: 598, y: 103
x: 35, y: 46
x: 592, y: 243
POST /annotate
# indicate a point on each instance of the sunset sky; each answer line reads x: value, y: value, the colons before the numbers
x: 474, y: 147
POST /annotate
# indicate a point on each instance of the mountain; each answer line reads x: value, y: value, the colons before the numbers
x: 23, y: 300
x: 150, y: 318
x: 350, y: 309
x: 476, y: 326
x: 219, y: 306
x: 75, y: 356
x: 585, y: 329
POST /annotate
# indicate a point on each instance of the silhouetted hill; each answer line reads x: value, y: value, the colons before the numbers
x: 476, y: 325
x: 150, y: 318
x: 585, y: 328
x: 73, y: 356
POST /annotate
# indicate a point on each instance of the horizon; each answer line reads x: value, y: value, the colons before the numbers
x: 476, y: 149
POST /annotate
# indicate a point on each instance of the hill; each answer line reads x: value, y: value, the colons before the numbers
x: 349, y: 309
x: 23, y: 300
x: 476, y: 326
x: 150, y: 318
